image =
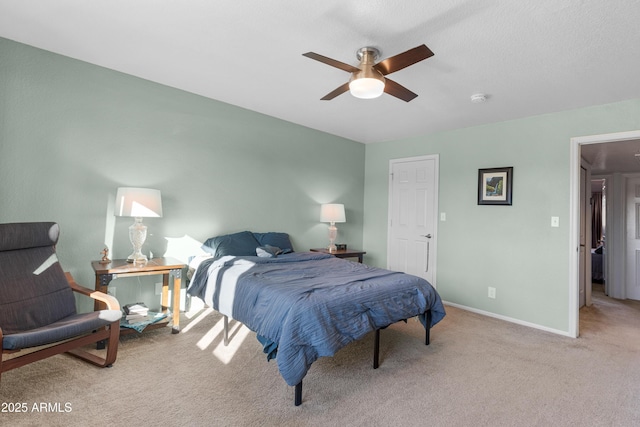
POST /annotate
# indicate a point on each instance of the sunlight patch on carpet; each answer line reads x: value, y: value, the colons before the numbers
x: 197, y: 319
x: 237, y: 334
x: 225, y: 353
x: 206, y: 340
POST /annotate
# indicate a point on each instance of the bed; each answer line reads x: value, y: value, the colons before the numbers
x: 305, y: 305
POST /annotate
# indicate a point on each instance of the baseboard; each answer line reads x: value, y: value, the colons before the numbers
x: 510, y: 319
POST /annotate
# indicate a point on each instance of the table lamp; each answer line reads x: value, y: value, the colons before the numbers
x: 332, y: 213
x: 138, y: 203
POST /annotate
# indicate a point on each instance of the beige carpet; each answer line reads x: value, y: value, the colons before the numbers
x: 478, y: 371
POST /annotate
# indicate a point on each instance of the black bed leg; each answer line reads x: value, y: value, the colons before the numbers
x: 427, y: 328
x: 376, y: 349
x: 226, y: 331
x: 298, y: 398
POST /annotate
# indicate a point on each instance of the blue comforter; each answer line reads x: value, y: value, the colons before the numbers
x: 309, y: 305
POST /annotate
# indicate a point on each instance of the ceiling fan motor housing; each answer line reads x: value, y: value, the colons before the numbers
x: 369, y: 54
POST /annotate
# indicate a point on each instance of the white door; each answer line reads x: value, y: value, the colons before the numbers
x: 633, y: 238
x: 413, y: 209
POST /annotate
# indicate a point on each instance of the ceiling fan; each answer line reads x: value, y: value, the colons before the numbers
x: 367, y: 80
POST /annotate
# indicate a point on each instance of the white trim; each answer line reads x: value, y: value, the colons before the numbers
x: 436, y: 216
x: 574, y: 214
x: 587, y: 238
x: 509, y: 319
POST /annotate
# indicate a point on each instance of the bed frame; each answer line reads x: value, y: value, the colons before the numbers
x: 376, y: 349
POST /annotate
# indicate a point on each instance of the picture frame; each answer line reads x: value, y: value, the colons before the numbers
x: 495, y: 186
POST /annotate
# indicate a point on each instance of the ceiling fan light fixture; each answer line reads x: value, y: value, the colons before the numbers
x: 368, y: 83
x: 366, y: 87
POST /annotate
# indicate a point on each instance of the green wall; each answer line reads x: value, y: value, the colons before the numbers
x: 512, y: 248
x: 71, y: 133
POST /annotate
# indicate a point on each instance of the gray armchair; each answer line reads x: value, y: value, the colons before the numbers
x: 37, y: 303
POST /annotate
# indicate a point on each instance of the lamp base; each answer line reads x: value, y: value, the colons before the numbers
x: 137, y: 258
x: 333, y: 233
x: 137, y: 235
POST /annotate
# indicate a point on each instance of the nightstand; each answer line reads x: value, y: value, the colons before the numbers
x: 345, y: 253
x: 164, y: 266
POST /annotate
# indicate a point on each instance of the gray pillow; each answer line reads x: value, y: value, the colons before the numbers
x: 236, y: 244
x: 277, y: 239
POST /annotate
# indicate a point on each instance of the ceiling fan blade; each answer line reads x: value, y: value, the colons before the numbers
x: 403, y: 60
x: 346, y: 67
x: 397, y: 90
x: 339, y: 91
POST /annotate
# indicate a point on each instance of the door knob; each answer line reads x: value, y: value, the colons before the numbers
x: 428, y: 236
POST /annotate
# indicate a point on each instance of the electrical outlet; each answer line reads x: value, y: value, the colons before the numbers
x: 111, y: 291
x: 492, y: 293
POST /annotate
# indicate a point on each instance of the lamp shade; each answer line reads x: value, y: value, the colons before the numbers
x: 138, y: 202
x: 332, y: 212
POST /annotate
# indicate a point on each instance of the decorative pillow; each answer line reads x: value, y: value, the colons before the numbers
x: 268, y: 251
x: 237, y: 244
x: 279, y: 240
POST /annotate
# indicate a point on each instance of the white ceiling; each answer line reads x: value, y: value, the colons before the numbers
x: 621, y: 157
x: 529, y: 57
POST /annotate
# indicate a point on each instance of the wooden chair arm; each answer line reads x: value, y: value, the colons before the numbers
x: 111, y: 302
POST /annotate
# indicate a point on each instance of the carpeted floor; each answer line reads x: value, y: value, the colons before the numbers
x: 478, y: 371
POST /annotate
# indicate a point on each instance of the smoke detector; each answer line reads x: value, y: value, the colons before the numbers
x: 478, y: 98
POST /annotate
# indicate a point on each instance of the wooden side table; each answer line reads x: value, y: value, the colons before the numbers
x: 165, y: 266
x: 345, y: 253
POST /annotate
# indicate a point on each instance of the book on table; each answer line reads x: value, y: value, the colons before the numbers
x: 135, y: 317
x: 137, y: 308
x: 139, y: 323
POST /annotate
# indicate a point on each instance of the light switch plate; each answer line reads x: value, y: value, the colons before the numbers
x: 555, y: 221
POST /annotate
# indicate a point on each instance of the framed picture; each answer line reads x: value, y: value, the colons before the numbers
x: 495, y: 186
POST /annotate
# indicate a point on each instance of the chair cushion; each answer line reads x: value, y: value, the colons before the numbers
x: 22, y: 235
x: 66, y: 328
x: 34, y: 291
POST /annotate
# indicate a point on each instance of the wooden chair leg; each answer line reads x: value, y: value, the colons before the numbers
x: 111, y: 348
x: 72, y: 347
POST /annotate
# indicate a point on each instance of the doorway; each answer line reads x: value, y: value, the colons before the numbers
x: 614, y: 237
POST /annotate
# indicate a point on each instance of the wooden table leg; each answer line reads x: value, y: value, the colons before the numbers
x: 177, y: 283
x: 165, y: 292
